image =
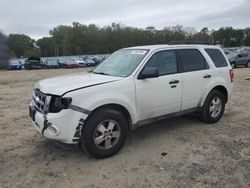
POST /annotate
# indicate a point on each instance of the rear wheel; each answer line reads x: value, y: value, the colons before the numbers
x: 213, y: 107
x: 105, y: 133
x: 248, y: 64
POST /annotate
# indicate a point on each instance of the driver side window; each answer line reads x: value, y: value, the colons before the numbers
x: 165, y: 61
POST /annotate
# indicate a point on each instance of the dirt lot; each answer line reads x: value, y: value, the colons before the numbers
x: 181, y: 152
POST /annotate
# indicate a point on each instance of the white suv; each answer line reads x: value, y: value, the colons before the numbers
x: 133, y: 87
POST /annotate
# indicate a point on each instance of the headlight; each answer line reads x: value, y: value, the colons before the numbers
x: 57, y: 104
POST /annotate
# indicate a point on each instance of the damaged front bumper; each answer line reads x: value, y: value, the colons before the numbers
x: 62, y: 126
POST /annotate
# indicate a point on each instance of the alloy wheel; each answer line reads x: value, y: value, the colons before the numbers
x: 215, y: 107
x: 107, y: 134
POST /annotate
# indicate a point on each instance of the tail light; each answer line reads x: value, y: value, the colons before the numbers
x: 231, y: 72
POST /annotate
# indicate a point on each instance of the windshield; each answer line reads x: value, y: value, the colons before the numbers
x: 121, y: 63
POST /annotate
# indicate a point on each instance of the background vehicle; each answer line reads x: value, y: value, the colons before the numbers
x: 242, y: 59
x: 34, y: 63
x: 51, y: 64
x: 97, y: 60
x: 231, y: 56
x: 133, y: 87
x: 80, y: 62
x: 70, y: 64
x: 60, y: 62
x: 14, y: 65
x: 89, y: 61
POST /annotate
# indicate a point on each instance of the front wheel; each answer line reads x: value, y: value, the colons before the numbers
x: 248, y: 64
x: 105, y: 133
x: 213, y: 107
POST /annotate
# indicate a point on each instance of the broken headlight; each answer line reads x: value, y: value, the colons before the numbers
x: 57, y: 104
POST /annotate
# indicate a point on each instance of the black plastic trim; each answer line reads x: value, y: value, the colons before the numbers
x: 79, y: 109
x: 163, y: 117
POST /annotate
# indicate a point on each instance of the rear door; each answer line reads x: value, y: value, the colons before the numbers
x: 196, y: 76
x: 161, y: 95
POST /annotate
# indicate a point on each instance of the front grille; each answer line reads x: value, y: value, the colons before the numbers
x: 41, y: 101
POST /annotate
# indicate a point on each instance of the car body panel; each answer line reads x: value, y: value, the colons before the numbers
x: 14, y: 65
x: 62, y: 84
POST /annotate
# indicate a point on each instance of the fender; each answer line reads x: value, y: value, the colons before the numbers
x: 211, y: 85
x: 127, y: 105
x: 121, y: 93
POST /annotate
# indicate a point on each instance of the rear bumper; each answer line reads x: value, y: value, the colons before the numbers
x: 60, y: 126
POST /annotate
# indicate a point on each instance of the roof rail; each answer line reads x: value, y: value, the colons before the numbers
x: 178, y: 42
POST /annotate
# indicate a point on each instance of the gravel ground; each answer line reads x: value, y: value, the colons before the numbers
x: 178, y: 152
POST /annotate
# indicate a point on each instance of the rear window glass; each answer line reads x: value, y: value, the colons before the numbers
x: 217, y: 57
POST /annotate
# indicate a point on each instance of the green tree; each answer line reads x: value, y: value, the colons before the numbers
x: 203, y: 35
x: 20, y: 44
x: 34, y: 52
x: 79, y: 39
x: 12, y: 54
x: 46, y: 46
x: 4, y: 51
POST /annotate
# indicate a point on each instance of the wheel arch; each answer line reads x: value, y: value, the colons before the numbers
x: 222, y: 89
x: 117, y: 107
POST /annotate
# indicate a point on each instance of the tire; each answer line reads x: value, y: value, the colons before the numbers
x: 97, y: 126
x: 215, y: 100
x: 233, y: 65
x: 248, y: 64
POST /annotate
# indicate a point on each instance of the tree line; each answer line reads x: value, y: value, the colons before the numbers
x: 79, y: 39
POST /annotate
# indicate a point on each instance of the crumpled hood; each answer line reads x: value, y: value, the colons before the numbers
x: 62, y: 84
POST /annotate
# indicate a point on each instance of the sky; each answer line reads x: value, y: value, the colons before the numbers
x: 36, y: 17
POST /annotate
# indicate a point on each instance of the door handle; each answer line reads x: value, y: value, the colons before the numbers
x: 207, y: 76
x: 174, y: 82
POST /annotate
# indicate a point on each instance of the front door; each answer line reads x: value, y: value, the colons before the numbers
x: 161, y: 95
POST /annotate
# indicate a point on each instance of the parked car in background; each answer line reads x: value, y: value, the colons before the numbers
x: 97, y: 60
x: 14, y: 65
x: 230, y: 55
x: 103, y: 59
x: 80, y: 62
x: 89, y: 62
x: 49, y: 64
x: 60, y: 62
x: 70, y: 64
x: 242, y: 59
x: 22, y: 61
x: 34, y: 63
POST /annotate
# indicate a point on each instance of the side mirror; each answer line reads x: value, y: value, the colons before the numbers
x: 150, y: 72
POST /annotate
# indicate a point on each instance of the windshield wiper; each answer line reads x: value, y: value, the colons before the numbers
x: 102, y: 73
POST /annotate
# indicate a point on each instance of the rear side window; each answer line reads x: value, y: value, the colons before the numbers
x: 192, y: 60
x: 217, y: 57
